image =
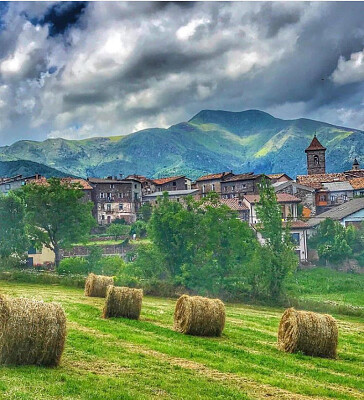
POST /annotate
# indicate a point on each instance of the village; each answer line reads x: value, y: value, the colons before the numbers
x: 306, y: 200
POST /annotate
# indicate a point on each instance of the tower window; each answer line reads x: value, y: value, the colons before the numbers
x: 316, y: 160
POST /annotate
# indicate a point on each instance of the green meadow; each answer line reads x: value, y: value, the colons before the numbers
x: 146, y: 359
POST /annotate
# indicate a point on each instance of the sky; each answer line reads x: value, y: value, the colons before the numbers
x: 78, y: 69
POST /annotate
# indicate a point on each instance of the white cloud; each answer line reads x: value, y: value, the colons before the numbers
x: 349, y: 71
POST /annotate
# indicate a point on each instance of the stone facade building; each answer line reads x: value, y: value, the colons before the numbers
x: 238, y: 186
x: 212, y: 182
x: 172, y: 183
x: 115, y: 199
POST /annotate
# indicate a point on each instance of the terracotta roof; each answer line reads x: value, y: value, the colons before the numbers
x: 218, y: 175
x: 234, y: 204
x: 242, y: 177
x: 139, y: 178
x: 85, y: 185
x: 281, y: 198
x: 162, y: 181
x: 277, y: 176
x: 43, y: 181
x: 101, y: 180
x: 357, y: 183
x: 315, y: 145
x: 316, y: 180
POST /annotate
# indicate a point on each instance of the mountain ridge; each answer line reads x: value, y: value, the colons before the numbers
x: 210, y: 141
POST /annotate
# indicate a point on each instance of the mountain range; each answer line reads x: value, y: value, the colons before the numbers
x: 211, y: 141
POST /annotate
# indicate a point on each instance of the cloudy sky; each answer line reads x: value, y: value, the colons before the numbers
x: 76, y: 70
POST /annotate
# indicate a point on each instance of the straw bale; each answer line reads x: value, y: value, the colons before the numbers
x: 31, y: 332
x: 123, y: 302
x: 96, y: 285
x: 195, y: 315
x: 308, y: 332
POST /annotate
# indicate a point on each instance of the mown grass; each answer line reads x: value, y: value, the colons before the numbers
x: 146, y: 359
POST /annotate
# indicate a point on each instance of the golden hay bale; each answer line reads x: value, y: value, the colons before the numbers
x: 123, y: 302
x: 311, y: 333
x: 31, y: 332
x: 96, y: 285
x: 195, y: 315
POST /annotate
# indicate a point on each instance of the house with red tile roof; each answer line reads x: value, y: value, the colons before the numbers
x: 211, y: 182
x: 171, y: 183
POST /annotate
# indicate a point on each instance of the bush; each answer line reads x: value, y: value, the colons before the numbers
x: 112, y: 265
x: 73, y: 265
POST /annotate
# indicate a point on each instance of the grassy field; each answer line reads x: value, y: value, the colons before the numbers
x: 146, y: 359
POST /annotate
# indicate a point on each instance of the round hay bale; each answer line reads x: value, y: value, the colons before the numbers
x: 123, y: 302
x: 311, y: 333
x: 96, y: 285
x: 195, y: 315
x: 31, y: 332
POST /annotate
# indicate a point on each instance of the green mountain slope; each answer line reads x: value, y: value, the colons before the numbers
x: 27, y: 168
x: 211, y: 141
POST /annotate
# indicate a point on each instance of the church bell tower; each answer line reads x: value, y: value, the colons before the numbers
x: 316, y: 163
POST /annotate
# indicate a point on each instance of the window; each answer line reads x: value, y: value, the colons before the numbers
x: 243, y: 185
x: 212, y: 186
x: 316, y: 160
x: 135, y: 186
x: 109, y: 196
x: 121, y: 195
x: 108, y: 207
x: 322, y: 197
x: 121, y: 206
x: 7, y: 186
x: 102, y: 206
x: 102, y: 195
x: 233, y: 188
x: 174, y: 183
x: 296, y: 238
x: 112, y: 186
x: 203, y: 188
x: 225, y: 188
x: 103, y: 217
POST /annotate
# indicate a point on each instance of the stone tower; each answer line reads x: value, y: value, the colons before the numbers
x: 356, y: 166
x: 316, y: 157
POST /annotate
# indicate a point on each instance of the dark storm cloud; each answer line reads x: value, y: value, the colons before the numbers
x: 111, y: 68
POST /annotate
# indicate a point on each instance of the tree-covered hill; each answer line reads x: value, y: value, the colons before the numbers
x: 27, y: 168
x: 211, y: 141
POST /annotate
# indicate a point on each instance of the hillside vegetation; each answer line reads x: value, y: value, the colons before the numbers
x: 27, y: 168
x: 211, y: 141
x: 146, y: 359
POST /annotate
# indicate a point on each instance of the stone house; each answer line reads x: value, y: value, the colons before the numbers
x: 298, y: 229
x: 147, y: 185
x: 173, y: 195
x: 239, y: 206
x: 211, y: 182
x: 358, y: 186
x: 15, y: 182
x: 115, y: 199
x: 279, y: 178
x: 172, y: 183
x: 305, y: 193
x: 237, y: 186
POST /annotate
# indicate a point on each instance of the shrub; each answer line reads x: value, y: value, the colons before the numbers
x: 73, y: 265
x: 112, y: 265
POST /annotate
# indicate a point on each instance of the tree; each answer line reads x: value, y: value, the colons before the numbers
x: 117, y: 230
x: 13, y: 238
x: 56, y: 214
x: 278, y: 250
x: 334, y: 242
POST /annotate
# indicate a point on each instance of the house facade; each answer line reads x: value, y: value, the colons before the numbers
x: 147, y: 185
x: 211, y: 182
x: 172, y: 183
x: 237, y: 186
x: 15, y: 182
x: 173, y: 195
x: 115, y: 199
x: 298, y: 229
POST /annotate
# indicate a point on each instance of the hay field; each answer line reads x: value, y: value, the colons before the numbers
x: 146, y: 359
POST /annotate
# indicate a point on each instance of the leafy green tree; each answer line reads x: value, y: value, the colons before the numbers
x: 334, y: 242
x: 139, y: 228
x: 117, y: 230
x: 145, y: 212
x: 13, y: 237
x: 278, y: 249
x: 94, y: 259
x: 56, y: 214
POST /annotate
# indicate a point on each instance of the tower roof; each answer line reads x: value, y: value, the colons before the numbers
x: 355, y: 162
x: 315, y: 145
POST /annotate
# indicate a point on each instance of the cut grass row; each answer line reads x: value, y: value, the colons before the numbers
x: 122, y: 359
